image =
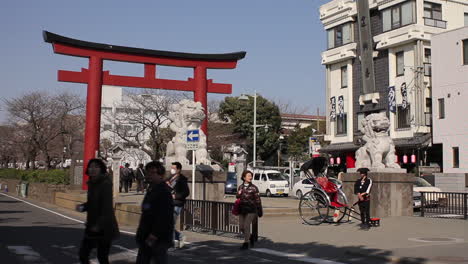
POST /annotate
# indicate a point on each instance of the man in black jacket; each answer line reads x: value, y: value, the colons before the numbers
x: 180, y: 191
x: 155, y: 231
x: 362, y: 188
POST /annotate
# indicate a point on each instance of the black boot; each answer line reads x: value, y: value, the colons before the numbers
x: 252, y: 241
x: 245, y: 246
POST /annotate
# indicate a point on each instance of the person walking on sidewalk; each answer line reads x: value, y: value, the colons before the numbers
x: 156, y: 229
x: 127, y: 177
x: 250, y: 207
x: 362, y: 187
x: 180, y: 191
x: 101, y: 224
x: 140, y: 178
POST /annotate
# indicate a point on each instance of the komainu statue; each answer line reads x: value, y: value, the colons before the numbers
x: 379, y: 150
x: 184, y: 116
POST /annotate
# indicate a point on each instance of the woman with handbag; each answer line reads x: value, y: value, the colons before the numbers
x: 250, y: 207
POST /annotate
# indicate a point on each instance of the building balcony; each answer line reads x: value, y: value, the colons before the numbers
x: 339, y: 54
x: 435, y: 23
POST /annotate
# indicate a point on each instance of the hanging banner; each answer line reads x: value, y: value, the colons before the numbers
x: 340, y: 105
x: 332, y: 108
x: 404, y: 96
x: 391, y: 99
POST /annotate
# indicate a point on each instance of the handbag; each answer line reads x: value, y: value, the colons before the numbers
x: 236, y: 207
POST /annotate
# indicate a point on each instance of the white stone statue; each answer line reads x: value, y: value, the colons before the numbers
x: 379, y: 150
x: 186, y: 115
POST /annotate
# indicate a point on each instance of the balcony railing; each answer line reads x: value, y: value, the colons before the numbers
x: 427, y: 69
x: 435, y: 23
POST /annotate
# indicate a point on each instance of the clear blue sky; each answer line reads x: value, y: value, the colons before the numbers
x: 283, y: 41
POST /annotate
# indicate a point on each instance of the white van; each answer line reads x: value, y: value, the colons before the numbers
x: 270, y: 182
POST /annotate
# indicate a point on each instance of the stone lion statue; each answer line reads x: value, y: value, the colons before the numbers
x: 379, y: 150
x: 184, y: 116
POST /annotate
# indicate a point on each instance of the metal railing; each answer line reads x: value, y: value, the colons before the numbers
x: 212, y: 216
x: 444, y: 204
x: 435, y: 22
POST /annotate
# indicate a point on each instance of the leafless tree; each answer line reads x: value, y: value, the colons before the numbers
x: 142, y: 121
x: 41, y: 119
x: 8, y: 151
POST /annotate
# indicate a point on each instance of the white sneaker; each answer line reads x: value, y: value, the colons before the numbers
x: 182, y: 241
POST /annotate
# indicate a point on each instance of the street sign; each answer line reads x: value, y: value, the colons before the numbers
x: 193, y: 135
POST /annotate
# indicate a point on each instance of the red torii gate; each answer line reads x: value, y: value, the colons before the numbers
x: 95, y: 77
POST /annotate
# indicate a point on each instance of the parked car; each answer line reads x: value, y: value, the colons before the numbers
x: 270, y: 182
x: 231, y: 183
x: 304, y: 186
x: 421, y: 185
x: 416, y: 200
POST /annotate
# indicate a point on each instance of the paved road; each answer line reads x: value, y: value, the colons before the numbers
x: 29, y: 234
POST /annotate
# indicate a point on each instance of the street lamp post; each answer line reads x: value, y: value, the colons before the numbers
x: 255, y: 131
x: 245, y: 97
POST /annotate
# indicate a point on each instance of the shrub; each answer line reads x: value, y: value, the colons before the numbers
x: 44, y: 176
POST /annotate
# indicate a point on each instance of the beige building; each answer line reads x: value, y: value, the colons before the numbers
x: 378, y: 59
x: 450, y: 97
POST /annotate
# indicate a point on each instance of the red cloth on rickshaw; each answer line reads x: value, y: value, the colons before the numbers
x: 328, y: 186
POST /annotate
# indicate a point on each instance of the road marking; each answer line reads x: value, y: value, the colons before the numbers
x: 59, y: 214
x: 297, y: 257
x: 27, y: 253
x: 133, y: 252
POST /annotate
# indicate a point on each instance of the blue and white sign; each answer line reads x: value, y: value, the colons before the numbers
x: 193, y: 135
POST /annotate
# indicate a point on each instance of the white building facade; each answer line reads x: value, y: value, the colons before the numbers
x: 378, y: 59
x: 450, y: 97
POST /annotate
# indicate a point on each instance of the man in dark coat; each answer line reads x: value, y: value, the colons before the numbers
x: 180, y: 191
x: 155, y: 231
x: 127, y: 177
x: 140, y: 178
x: 101, y: 224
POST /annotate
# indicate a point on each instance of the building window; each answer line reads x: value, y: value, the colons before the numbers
x: 456, y: 157
x: 339, y: 35
x: 441, y: 108
x: 344, y: 76
x: 341, y: 124
x: 433, y: 15
x: 427, y: 62
x: 465, y: 52
x: 433, y: 10
x: 398, y: 16
x: 107, y: 127
x: 403, y: 117
x: 466, y: 19
x: 400, y: 63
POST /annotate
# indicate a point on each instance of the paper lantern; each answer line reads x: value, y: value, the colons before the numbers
x: 413, y: 158
x: 396, y: 158
x: 405, y: 159
x: 338, y: 160
x: 332, y: 161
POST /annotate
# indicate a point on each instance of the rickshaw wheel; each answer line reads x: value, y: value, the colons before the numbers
x: 314, y: 208
x: 342, y: 199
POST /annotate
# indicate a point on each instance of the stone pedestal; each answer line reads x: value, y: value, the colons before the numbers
x: 209, y: 184
x: 391, y: 194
